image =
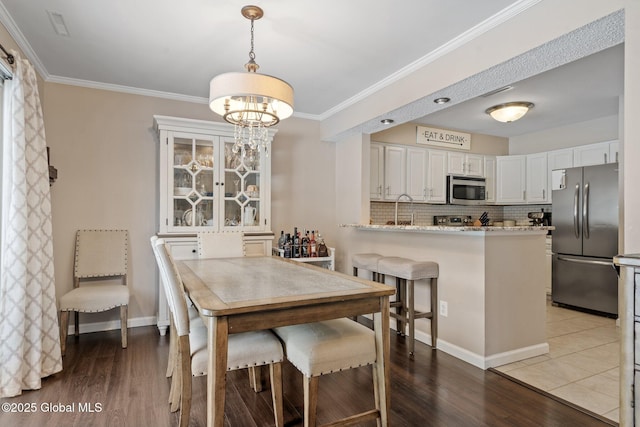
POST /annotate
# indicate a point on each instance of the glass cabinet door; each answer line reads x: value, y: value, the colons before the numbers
x: 242, y: 188
x: 193, y: 199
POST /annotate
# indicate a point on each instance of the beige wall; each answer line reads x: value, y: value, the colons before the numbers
x: 405, y: 134
x: 106, y: 153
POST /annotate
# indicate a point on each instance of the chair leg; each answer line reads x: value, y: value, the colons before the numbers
x: 64, y: 327
x: 173, y: 342
x: 123, y: 324
x: 175, y: 392
x: 355, y: 274
x: 401, y: 324
x: 434, y: 312
x: 275, y: 373
x: 76, y: 320
x: 310, y: 386
x: 411, y: 315
x: 185, y: 379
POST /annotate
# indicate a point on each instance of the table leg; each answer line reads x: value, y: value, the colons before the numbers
x: 217, y: 369
x: 381, y: 328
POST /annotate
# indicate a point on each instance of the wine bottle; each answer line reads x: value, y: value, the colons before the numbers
x: 296, y: 243
x: 312, y: 244
x: 304, y: 242
x: 287, y: 246
x: 281, y: 240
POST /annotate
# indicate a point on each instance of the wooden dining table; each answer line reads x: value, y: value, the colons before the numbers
x: 252, y: 293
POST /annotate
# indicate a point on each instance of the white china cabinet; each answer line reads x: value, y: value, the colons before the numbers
x: 205, y: 186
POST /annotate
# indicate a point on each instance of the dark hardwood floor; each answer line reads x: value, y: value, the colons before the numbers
x: 128, y: 388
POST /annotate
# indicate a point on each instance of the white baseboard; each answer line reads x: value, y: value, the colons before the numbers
x: 483, y: 362
x: 516, y: 355
x: 86, y: 328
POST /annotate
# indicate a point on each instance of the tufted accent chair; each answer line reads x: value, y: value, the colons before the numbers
x: 100, y: 257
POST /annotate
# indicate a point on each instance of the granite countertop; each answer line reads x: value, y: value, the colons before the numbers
x: 455, y: 229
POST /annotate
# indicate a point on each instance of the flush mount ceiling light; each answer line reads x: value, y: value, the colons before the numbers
x: 249, y: 100
x: 509, y: 112
x: 442, y: 100
x: 387, y: 121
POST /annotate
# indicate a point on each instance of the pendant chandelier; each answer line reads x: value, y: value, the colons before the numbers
x: 252, y: 102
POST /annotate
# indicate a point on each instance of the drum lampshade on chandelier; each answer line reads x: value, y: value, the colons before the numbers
x: 251, y: 101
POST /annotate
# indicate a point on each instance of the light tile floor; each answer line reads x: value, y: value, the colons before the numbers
x: 582, y: 364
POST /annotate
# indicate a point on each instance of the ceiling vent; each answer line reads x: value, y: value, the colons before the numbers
x: 499, y: 90
x: 57, y: 21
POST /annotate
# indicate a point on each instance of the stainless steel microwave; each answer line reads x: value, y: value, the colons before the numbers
x: 466, y: 190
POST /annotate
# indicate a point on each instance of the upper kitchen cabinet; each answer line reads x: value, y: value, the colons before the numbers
x: 490, y: 177
x: 511, y: 182
x: 436, y: 176
x: 537, y: 189
x: 204, y: 185
x: 557, y: 160
x: 522, y: 179
x: 595, y: 154
x: 417, y: 168
x: 395, y: 172
x: 376, y: 171
x: 465, y: 164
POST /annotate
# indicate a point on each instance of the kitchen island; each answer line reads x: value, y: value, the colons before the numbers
x: 492, y: 299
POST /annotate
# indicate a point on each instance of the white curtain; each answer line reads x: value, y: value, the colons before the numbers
x: 29, y: 334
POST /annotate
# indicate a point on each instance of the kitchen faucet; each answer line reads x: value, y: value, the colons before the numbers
x: 397, y: 200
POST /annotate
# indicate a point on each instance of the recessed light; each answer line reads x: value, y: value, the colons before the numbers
x: 387, y: 121
x: 442, y: 100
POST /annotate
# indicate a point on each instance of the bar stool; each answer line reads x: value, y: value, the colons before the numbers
x: 366, y: 262
x: 406, y: 271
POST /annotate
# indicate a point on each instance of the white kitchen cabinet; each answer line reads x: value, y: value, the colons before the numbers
x: 395, y: 171
x: 417, y: 159
x: 537, y: 189
x: 436, y: 176
x: 614, y: 156
x: 376, y: 171
x: 557, y: 160
x: 511, y: 179
x: 629, y: 318
x: 465, y: 164
x: 490, y: 178
x: 592, y: 154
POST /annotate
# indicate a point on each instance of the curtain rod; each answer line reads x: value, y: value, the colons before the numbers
x: 10, y: 58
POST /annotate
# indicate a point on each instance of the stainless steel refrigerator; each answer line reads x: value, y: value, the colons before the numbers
x: 585, y: 214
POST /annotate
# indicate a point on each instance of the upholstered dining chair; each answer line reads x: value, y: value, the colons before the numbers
x: 322, y: 348
x: 245, y: 349
x: 101, y: 257
x: 195, y: 320
x: 220, y: 245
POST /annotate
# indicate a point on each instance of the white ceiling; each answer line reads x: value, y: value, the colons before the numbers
x: 332, y: 52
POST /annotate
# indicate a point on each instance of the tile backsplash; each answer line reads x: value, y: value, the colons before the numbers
x: 381, y: 212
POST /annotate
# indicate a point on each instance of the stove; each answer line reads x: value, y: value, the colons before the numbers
x: 452, y: 220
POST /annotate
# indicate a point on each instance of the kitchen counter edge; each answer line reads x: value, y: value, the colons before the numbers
x: 449, y: 229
